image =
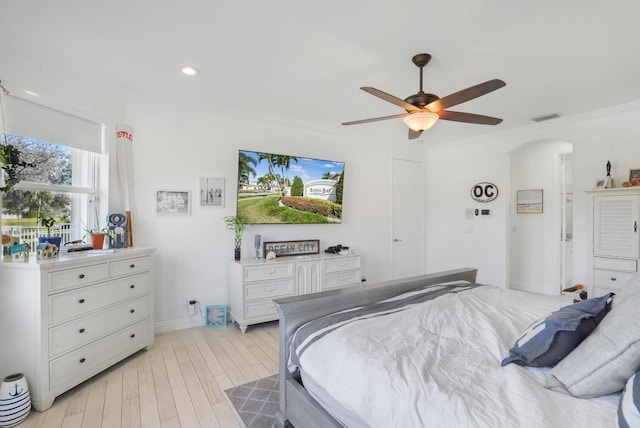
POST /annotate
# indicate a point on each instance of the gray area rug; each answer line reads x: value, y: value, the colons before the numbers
x: 256, y: 402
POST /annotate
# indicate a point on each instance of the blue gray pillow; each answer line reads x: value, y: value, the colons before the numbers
x: 629, y: 407
x: 547, y: 341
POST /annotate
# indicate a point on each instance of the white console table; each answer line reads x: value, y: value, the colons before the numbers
x: 254, y: 284
x: 66, y: 319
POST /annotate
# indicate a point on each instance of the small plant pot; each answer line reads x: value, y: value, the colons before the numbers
x: 55, y: 240
x: 236, y: 253
x: 97, y: 240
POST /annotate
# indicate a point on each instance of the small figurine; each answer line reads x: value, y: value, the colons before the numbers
x: 271, y: 255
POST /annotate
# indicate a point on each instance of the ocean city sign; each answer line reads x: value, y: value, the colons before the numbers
x: 484, y: 192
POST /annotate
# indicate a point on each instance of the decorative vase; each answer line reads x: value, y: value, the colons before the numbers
x: 15, y: 400
x: 97, y: 240
x: 236, y: 253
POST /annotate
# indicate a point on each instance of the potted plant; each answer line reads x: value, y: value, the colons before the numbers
x: 48, y: 222
x: 238, y: 226
x: 96, y: 237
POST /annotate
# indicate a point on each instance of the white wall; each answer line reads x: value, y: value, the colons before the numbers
x: 177, y: 144
x: 452, y: 241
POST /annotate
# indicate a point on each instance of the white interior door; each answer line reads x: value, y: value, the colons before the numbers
x: 408, y: 218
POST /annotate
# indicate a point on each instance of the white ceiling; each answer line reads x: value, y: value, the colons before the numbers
x: 306, y: 60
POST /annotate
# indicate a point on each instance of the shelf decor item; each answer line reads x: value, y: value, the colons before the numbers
x: 15, y: 400
x: 238, y: 226
x: 216, y: 316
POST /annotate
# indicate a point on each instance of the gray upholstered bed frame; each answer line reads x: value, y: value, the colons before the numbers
x: 297, y: 407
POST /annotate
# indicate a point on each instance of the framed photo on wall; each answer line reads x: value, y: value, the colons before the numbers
x: 212, y: 192
x: 529, y: 201
x: 173, y: 202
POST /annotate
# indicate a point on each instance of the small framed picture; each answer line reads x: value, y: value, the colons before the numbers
x: 600, y: 183
x: 529, y: 201
x: 634, y: 177
x: 173, y: 202
x: 212, y: 192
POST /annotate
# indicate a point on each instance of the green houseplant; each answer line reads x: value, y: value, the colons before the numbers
x: 12, y: 165
x: 48, y: 222
x: 238, y: 226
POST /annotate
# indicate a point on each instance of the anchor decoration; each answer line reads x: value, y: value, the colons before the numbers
x: 16, y: 393
x: 118, y: 230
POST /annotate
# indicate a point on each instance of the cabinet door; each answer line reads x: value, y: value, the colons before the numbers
x: 308, y: 277
x: 615, y: 226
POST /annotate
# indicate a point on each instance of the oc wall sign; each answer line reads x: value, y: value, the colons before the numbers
x: 484, y: 192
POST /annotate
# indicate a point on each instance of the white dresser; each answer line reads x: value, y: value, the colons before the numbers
x: 253, y: 284
x: 616, y: 238
x: 64, y: 320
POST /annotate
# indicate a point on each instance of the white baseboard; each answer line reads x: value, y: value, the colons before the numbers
x: 164, y: 326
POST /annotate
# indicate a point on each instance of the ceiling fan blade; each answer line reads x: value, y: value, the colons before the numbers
x: 390, y: 98
x: 459, y: 116
x: 414, y: 134
x: 465, y: 95
x: 375, y: 119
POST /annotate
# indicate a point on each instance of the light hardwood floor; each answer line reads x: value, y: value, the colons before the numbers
x: 178, y: 383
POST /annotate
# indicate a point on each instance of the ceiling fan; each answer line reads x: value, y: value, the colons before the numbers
x: 423, y: 109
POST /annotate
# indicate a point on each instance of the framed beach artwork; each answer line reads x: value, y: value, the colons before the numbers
x: 529, y: 201
x: 173, y: 202
x: 212, y: 192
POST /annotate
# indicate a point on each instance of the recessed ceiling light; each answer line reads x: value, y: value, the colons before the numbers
x: 190, y: 71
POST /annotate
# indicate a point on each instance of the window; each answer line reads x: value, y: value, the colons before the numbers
x: 64, y: 183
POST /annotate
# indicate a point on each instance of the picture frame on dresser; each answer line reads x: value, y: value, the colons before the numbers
x: 634, y: 177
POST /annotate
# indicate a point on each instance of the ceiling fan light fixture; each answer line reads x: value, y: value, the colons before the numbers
x: 420, y: 121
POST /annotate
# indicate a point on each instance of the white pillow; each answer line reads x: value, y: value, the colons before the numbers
x: 606, y: 359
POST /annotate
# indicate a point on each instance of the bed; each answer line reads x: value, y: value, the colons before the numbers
x: 440, y: 350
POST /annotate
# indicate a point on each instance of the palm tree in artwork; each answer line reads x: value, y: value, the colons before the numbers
x: 270, y: 158
x: 284, y: 162
x: 244, y: 167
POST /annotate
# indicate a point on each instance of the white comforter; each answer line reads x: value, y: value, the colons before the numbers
x: 438, y: 365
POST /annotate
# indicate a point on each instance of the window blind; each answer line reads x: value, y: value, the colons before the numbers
x: 29, y: 119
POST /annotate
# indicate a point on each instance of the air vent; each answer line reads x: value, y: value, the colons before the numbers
x: 546, y: 117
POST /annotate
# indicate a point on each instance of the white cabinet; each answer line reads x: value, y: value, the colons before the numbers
x: 254, y: 284
x: 616, y: 239
x: 64, y: 320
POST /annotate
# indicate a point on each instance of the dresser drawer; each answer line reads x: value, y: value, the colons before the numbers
x: 268, y: 271
x: 87, y: 329
x: 614, y: 264
x: 86, y: 275
x: 341, y: 279
x: 611, y: 279
x: 270, y: 289
x: 68, y: 305
x: 130, y: 266
x: 601, y: 291
x: 341, y: 263
x: 260, y: 308
x: 75, y: 364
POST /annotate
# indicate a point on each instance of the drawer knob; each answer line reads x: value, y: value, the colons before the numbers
x: 132, y: 335
x: 81, y: 276
x: 132, y: 311
x: 132, y: 266
x: 132, y: 286
x: 82, y: 360
x: 613, y: 278
x: 81, y: 330
x: 81, y: 301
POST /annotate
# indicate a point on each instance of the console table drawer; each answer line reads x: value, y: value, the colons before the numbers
x: 270, y: 271
x: 615, y: 264
x: 271, y: 289
x: 341, y: 279
x: 131, y: 266
x: 74, y: 364
x: 85, y: 330
x: 611, y: 279
x: 341, y: 263
x: 78, y: 277
x: 68, y: 305
x: 260, y: 308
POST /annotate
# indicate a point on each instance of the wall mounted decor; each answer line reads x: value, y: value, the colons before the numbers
x: 529, y: 201
x: 212, y: 192
x: 173, y: 202
x: 484, y: 192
